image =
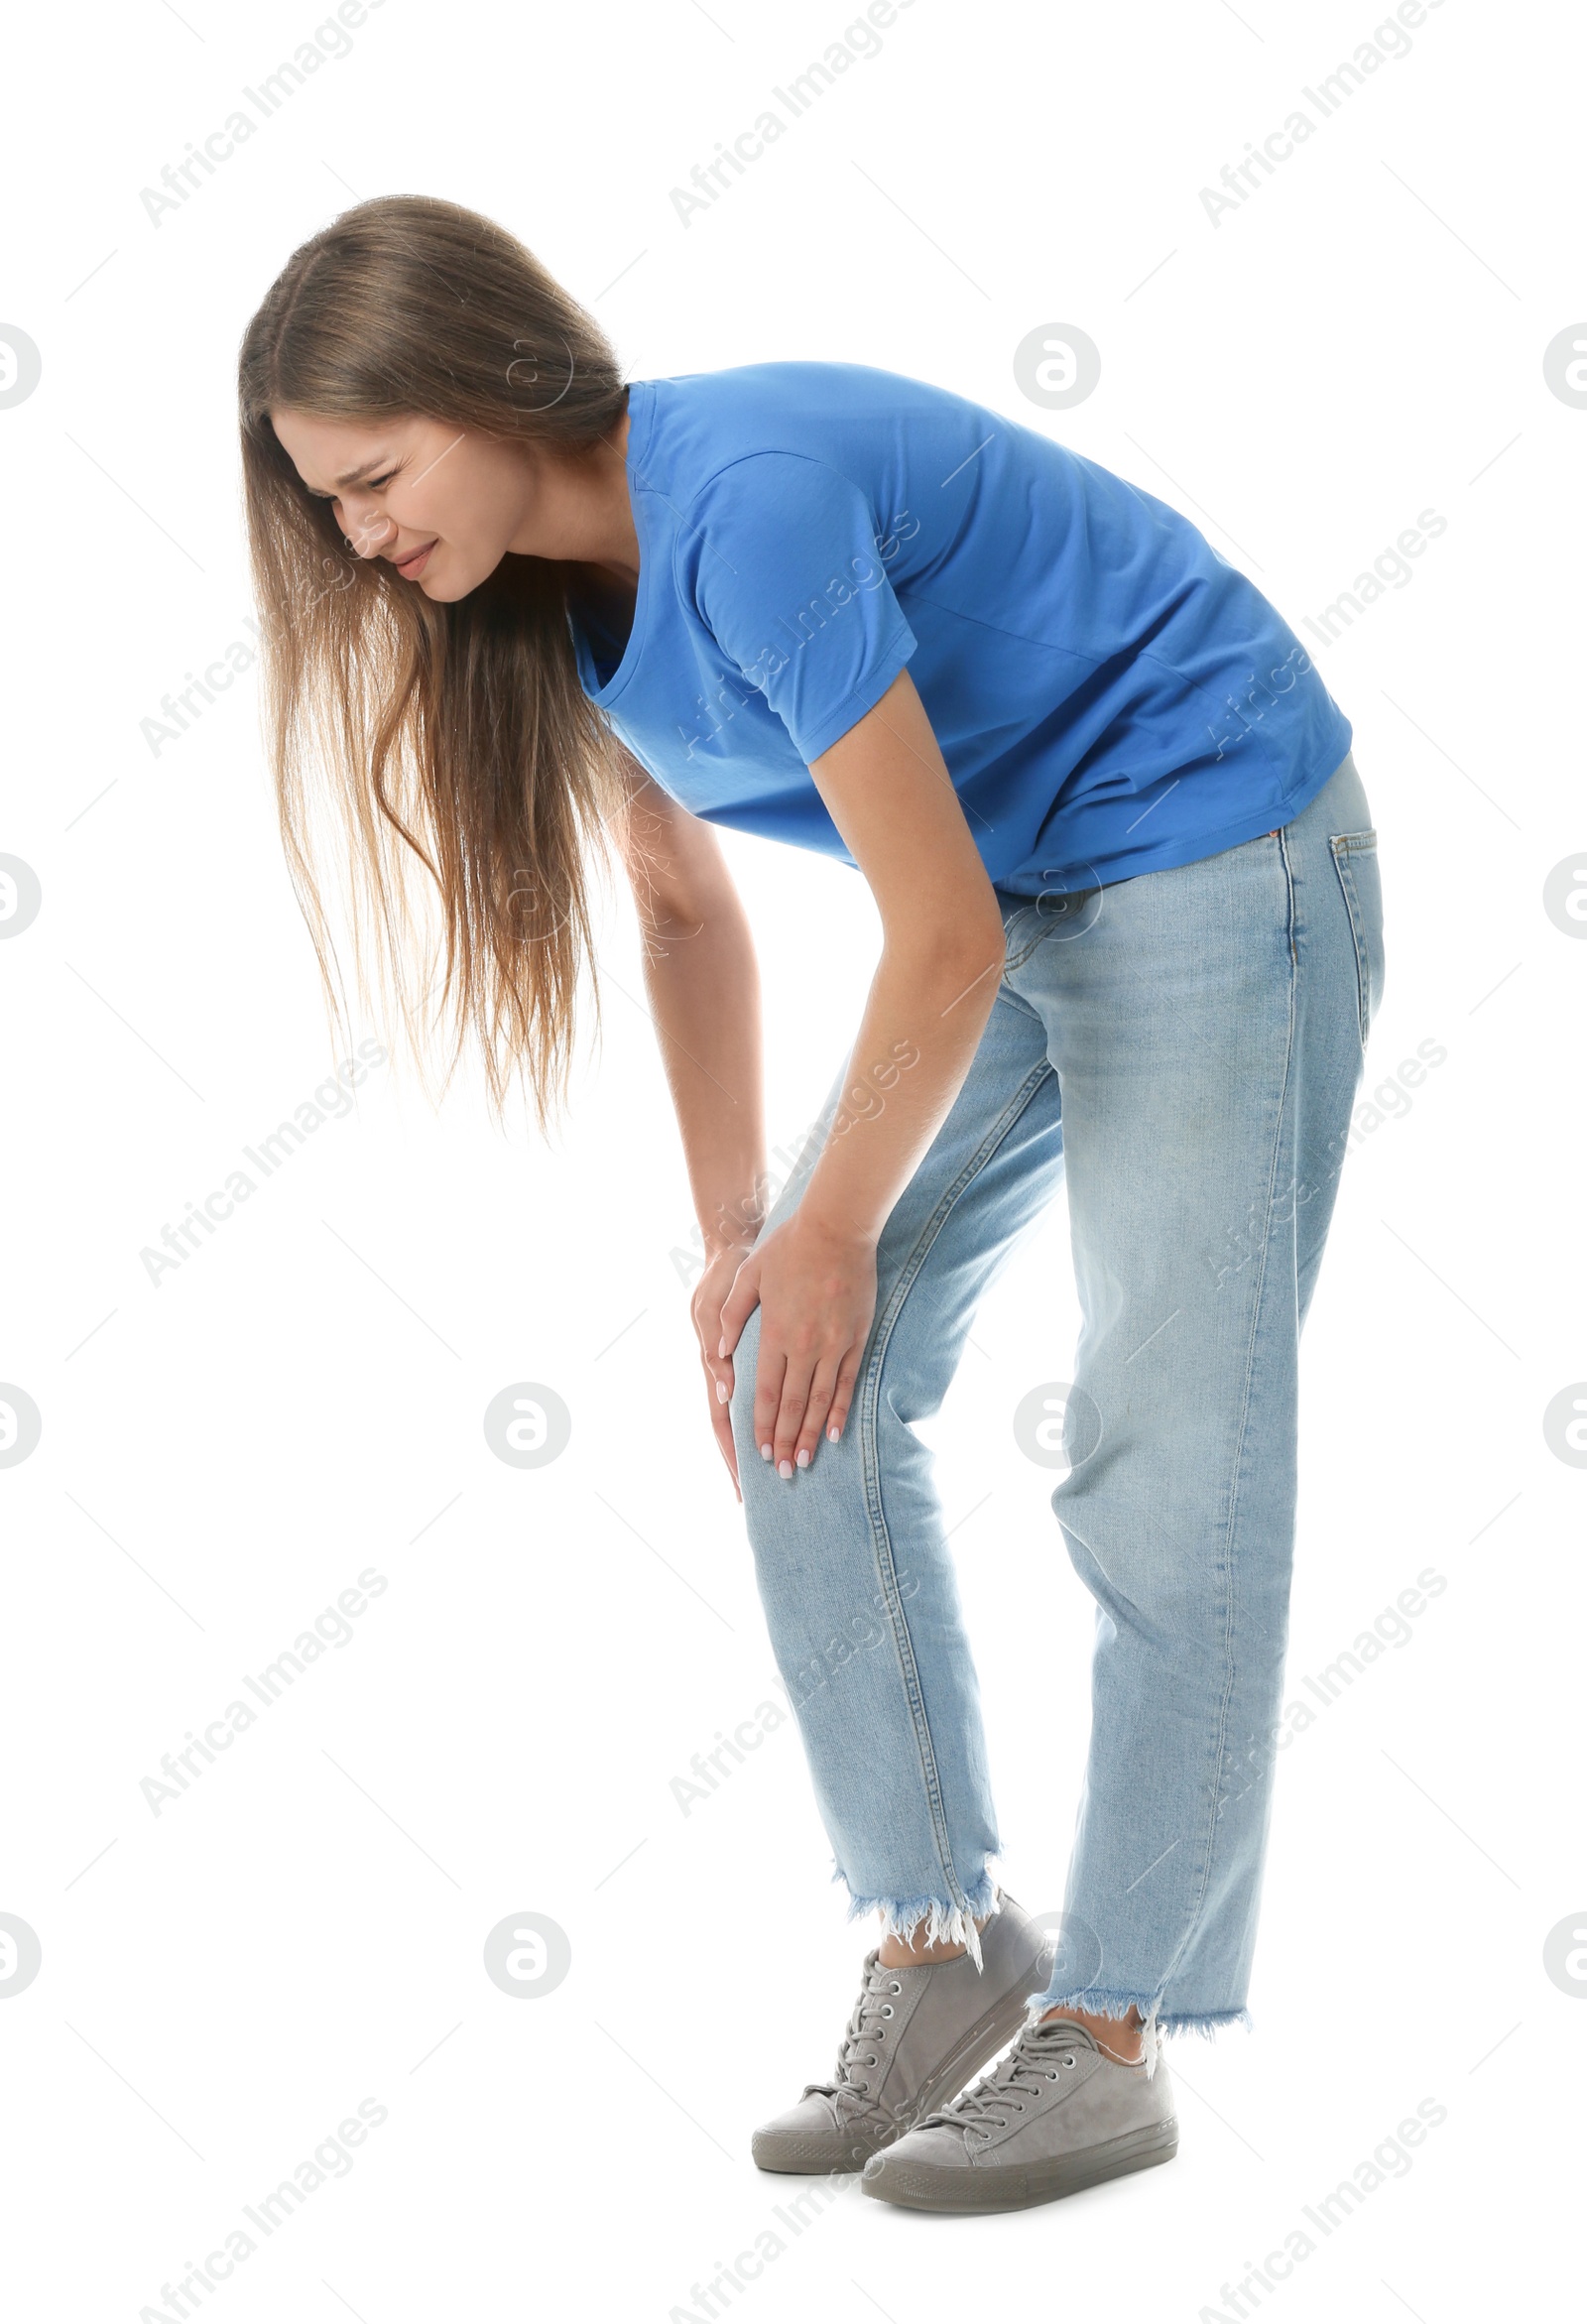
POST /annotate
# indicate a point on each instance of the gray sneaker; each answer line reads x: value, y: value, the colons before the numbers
x: 1054, y: 2116
x: 914, y: 2037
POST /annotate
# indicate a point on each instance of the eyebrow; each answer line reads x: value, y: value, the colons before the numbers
x: 356, y: 475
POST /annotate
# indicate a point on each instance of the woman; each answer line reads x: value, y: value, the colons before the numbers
x: 1132, y: 927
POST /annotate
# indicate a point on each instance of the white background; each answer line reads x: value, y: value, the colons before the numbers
x: 221, y: 1455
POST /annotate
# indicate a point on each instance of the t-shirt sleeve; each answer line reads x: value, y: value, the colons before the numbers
x: 785, y: 561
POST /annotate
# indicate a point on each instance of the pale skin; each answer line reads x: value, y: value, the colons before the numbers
x: 397, y: 485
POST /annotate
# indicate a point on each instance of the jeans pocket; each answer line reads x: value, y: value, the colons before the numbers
x: 1355, y: 857
x: 1021, y: 931
x: 1057, y: 915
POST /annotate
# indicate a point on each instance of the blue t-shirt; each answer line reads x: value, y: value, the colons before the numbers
x: 1110, y: 695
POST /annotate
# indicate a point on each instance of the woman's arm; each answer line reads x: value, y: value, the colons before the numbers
x: 890, y: 793
x: 703, y: 985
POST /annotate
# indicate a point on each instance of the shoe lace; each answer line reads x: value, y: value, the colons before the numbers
x: 862, y: 2036
x: 1040, y: 2055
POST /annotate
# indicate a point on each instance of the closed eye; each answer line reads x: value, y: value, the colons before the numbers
x: 376, y: 484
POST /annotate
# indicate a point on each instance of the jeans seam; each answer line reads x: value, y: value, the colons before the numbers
x: 1220, y: 1747
x: 870, y: 1465
x: 1013, y: 960
x: 1341, y: 848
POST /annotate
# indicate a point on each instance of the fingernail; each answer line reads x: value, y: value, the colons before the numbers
x: 721, y: 1345
x: 803, y: 1458
x: 831, y: 1436
x: 784, y: 1468
x: 766, y: 1452
x: 721, y: 1392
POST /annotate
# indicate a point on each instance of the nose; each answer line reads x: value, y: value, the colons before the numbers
x: 368, y: 533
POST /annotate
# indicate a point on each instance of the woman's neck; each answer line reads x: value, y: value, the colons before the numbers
x: 613, y: 550
x: 579, y: 511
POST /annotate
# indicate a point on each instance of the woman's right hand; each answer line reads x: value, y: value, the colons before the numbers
x: 705, y: 1309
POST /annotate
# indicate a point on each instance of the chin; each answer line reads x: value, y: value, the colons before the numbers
x: 446, y: 588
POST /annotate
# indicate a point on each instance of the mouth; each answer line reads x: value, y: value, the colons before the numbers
x: 413, y: 564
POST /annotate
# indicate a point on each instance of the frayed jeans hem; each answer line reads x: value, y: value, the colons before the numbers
x: 1205, y: 2021
x: 1119, y: 2005
x: 932, y: 1920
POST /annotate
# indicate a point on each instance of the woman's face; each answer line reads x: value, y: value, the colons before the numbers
x: 442, y: 504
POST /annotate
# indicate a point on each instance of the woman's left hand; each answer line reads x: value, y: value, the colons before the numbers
x: 815, y: 1288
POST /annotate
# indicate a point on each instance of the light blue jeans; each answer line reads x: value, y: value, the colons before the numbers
x: 1183, y: 1049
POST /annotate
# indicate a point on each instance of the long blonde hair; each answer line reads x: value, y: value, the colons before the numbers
x: 458, y: 735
